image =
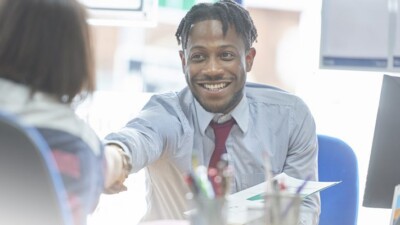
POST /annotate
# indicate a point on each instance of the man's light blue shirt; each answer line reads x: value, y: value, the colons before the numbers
x: 173, y: 127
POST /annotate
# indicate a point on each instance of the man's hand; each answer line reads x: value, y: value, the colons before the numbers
x: 118, y: 168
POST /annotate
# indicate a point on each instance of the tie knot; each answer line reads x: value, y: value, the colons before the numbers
x: 221, y: 131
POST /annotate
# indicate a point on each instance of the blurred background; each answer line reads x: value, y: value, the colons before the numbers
x: 137, y: 56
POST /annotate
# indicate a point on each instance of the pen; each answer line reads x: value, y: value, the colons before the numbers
x: 195, y: 161
x: 268, y: 173
x: 282, y: 185
x: 298, y: 191
x: 300, y: 188
x: 205, y: 184
x: 226, y: 180
x: 216, y: 181
x: 223, y: 163
x: 277, y: 202
x: 191, y: 183
x: 225, y: 173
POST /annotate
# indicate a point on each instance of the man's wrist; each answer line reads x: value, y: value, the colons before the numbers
x: 119, y: 167
x: 126, y: 163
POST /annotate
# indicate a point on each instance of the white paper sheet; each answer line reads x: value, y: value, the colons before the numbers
x: 252, y: 198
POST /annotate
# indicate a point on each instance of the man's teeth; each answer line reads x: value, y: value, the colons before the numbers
x: 215, y: 86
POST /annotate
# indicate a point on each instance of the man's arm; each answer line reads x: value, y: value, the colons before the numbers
x: 302, y: 160
x: 141, y: 142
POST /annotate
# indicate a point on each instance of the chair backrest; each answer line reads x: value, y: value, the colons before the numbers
x: 31, y: 190
x: 337, y: 162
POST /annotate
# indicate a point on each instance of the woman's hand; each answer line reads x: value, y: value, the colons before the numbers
x: 118, y: 169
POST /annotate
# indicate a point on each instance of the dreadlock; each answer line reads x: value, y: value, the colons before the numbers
x: 226, y: 11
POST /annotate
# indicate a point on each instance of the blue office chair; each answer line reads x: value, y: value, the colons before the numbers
x: 337, y: 162
x: 31, y: 191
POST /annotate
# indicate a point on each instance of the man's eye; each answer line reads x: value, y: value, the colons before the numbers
x: 227, y: 56
x: 197, y: 57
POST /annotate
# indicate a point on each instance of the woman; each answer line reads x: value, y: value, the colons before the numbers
x: 45, y: 66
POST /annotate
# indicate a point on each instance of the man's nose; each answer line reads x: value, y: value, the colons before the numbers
x: 213, y: 67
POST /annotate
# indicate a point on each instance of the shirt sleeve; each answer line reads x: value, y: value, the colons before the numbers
x: 302, y: 159
x: 151, y: 135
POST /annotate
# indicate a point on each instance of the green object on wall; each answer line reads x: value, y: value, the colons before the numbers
x: 187, y: 4
x: 177, y: 4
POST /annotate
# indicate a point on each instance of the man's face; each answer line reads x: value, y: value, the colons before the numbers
x: 215, y: 66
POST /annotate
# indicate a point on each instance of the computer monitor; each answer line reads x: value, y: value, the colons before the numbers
x: 384, y: 164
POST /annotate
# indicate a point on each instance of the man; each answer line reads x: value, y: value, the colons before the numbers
x: 216, y: 55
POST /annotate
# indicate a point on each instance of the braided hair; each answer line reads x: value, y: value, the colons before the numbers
x: 227, y: 12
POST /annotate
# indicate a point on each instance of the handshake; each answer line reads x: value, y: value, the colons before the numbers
x: 118, y: 169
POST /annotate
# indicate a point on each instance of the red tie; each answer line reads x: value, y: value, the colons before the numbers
x: 221, y: 132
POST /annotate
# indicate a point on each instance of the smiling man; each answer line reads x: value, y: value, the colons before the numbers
x: 215, y: 65
x: 216, y: 55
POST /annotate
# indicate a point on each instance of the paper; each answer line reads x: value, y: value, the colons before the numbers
x: 240, y: 202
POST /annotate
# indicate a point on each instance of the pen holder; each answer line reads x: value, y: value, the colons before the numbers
x: 209, y: 211
x: 282, y: 209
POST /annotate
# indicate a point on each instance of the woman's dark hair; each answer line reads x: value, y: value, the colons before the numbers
x: 45, y: 45
x: 226, y: 11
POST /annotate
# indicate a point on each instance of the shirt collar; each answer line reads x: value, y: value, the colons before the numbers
x: 240, y: 113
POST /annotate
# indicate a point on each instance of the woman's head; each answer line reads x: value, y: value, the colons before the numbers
x: 45, y: 45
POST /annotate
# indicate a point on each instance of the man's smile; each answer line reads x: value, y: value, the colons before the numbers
x: 216, y: 86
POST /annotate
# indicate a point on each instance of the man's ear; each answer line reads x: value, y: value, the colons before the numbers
x: 251, y: 53
x: 183, y: 60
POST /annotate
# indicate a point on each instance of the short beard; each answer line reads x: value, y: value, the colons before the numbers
x: 229, y: 107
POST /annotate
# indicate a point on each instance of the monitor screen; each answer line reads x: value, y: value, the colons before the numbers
x: 384, y: 164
